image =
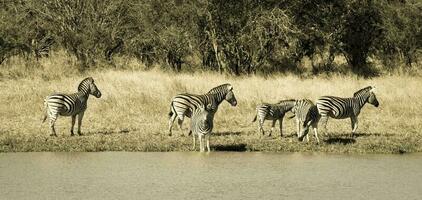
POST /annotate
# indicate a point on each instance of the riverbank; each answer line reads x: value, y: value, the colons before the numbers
x: 132, y: 113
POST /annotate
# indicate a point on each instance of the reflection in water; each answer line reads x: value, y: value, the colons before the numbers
x: 122, y: 175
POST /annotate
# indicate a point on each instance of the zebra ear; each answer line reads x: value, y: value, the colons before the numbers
x: 373, y: 89
x: 230, y: 87
x: 90, y: 79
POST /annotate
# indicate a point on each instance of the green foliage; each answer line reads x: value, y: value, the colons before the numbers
x: 402, y: 33
x: 237, y: 37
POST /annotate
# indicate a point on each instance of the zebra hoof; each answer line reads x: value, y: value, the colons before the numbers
x: 80, y: 134
x: 53, y: 135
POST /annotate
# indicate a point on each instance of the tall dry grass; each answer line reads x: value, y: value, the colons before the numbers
x: 132, y: 114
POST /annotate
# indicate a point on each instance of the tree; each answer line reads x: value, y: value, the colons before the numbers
x: 360, y: 31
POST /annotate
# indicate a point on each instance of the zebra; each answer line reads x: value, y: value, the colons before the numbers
x: 341, y: 108
x: 202, y: 125
x: 274, y: 112
x: 306, y: 115
x: 70, y: 104
x: 181, y: 105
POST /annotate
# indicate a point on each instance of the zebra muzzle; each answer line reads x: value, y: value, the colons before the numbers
x: 97, y: 94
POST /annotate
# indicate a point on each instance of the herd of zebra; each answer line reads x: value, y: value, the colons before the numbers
x: 202, y: 108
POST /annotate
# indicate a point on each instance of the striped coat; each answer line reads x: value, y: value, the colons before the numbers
x: 306, y: 115
x: 70, y: 104
x: 182, y: 105
x: 341, y: 108
x: 274, y: 112
x: 202, y: 124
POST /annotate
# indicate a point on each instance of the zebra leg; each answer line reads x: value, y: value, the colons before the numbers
x: 207, y: 138
x: 280, y: 121
x: 316, y: 133
x: 53, y: 130
x: 194, y: 142
x: 354, y: 125
x: 272, y: 127
x: 324, y: 120
x: 171, y: 122
x: 201, y: 144
x: 73, y: 125
x: 53, y: 117
x: 260, y: 126
x: 180, y: 122
x: 80, y: 117
x: 297, y: 127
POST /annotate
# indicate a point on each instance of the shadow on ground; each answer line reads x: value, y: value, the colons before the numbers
x: 226, y: 133
x: 231, y: 147
x: 356, y: 135
x: 109, y: 132
x: 337, y: 140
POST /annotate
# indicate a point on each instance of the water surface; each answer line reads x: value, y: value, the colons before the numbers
x: 124, y: 175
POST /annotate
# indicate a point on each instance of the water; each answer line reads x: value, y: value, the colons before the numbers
x: 124, y: 175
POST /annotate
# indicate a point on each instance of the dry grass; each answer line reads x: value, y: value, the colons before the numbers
x: 132, y: 114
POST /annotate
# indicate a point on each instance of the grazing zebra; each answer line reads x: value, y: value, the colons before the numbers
x: 341, y: 108
x: 183, y: 104
x: 70, y: 104
x: 306, y: 115
x: 202, y: 124
x: 273, y: 112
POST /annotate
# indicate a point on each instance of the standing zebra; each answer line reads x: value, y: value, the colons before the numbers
x: 273, y: 112
x: 341, y: 108
x: 183, y: 104
x: 306, y: 115
x: 70, y: 104
x: 202, y: 124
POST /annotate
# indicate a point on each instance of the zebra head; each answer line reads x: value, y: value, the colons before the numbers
x: 367, y: 94
x: 302, y: 112
x: 224, y: 92
x: 206, y: 112
x: 303, y: 129
x: 230, y: 96
x: 88, y: 86
x: 373, y: 98
x: 289, y: 105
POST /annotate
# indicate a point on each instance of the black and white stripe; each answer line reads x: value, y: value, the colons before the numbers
x: 182, y: 105
x: 70, y: 104
x: 306, y: 115
x: 341, y: 108
x: 274, y: 112
x: 202, y: 125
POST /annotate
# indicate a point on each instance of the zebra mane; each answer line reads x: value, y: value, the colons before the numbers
x: 82, y: 85
x: 362, y: 91
x: 224, y: 87
x: 287, y: 101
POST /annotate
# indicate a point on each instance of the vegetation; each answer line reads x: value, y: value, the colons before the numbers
x: 143, y: 52
x: 236, y: 37
x: 132, y: 113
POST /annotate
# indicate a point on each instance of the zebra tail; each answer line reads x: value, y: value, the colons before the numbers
x: 45, y: 110
x: 171, y: 109
x: 254, y: 119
